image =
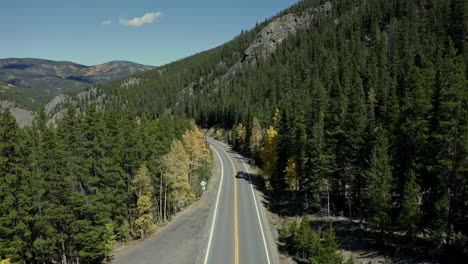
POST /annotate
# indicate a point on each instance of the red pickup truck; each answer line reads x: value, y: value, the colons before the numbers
x: 240, y: 174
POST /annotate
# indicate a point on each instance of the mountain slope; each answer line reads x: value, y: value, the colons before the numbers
x: 168, y: 88
x: 372, y: 116
x: 36, y: 81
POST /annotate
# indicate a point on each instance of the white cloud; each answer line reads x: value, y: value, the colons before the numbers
x: 107, y: 22
x: 139, y: 21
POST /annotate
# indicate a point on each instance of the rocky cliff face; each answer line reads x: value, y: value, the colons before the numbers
x: 271, y: 36
x: 264, y: 45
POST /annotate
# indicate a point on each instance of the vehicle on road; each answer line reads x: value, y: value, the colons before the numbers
x: 240, y: 174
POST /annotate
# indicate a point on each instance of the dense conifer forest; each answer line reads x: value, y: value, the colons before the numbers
x: 67, y: 193
x: 361, y: 114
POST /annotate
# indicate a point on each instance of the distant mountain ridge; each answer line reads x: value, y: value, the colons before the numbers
x: 29, y: 82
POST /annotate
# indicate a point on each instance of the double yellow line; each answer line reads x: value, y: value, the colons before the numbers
x: 236, y: 223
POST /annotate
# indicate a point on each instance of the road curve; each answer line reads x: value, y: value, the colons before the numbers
x: 228, y: 225
x: 237, y: 230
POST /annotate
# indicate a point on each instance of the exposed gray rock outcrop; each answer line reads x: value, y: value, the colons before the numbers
x: 271, y: 36
x: 130, y: 82
x: 23, y: 117
x: 58, y: 100
x: 57, y: 108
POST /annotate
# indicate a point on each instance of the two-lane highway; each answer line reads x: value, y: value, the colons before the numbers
x: 227, y: 226
x: 237, y: 230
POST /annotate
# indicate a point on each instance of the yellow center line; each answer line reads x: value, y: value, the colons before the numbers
x: 236, y: 224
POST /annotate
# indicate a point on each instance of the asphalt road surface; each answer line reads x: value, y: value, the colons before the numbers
x: 238, y: 231
x: 227, y: 226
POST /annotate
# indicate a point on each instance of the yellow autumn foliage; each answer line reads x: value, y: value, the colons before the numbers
x: 176, y: 166
x: 291, y: 177
x: 144, y: 224
x: 143, y: 188
x: 276, y: 119
x: 197, y: 149
x: 144, y: 204
x: 219, y: 134
x: 241, y: 133
x: 141, y: 183
x: 256, y: 136
x: 269, y: 152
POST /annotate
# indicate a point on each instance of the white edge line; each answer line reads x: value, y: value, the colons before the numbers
x: 258, y: 214
x: 216, y: 207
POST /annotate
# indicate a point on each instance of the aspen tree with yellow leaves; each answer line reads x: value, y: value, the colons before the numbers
x: 269, y: 152
x: 291, y: 177
x: 256, y: 137
x: 143, y: 188
x: 195, y: 144
x: 175, y: 168
x: 241, y: 136
x: 269, y: 155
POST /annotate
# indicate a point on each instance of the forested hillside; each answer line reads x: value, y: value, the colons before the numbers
x: 67, y: 193
x: 371, y: 107
x: 360, y: 113
x: 371, y: 121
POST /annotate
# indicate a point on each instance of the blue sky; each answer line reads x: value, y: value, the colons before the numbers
x: 151, y: 32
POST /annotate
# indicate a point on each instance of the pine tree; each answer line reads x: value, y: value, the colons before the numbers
x: 410, y: 208
x: 39, y: 134
x: 305, y: 241
x: 379, y: 184
x: 93, y: 131
x: 451, y: 132
x: 58, y: 213
x: 328, y: 249
x: 416, y: 106
x: 16, y: 204
x: 69, y: 132
x: 351, y: 154
x: 132, y: 145
x: 318, y: 163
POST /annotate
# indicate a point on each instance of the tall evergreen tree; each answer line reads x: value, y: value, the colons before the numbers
x: 379, y: 185
x: 16, y: 204
x: 410, y: 208
x: 451, y: 135
x: 318, y: 163
x: 352, y: 155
